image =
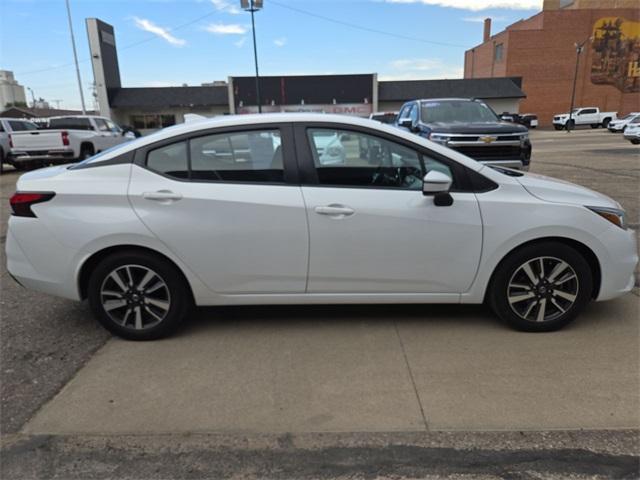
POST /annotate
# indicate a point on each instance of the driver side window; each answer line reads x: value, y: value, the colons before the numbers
x: 347, y: 158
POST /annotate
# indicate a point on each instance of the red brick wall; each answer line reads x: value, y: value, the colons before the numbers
x: 545, y: 59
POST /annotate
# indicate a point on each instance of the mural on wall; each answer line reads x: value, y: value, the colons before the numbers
x: 616, y: 54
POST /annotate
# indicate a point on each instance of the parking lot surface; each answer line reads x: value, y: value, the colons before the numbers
x: 283, y: 380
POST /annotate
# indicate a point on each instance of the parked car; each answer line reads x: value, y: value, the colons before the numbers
x: 584, y: 116
x: 7, y: 127
x: 384, y: 117
x: 529, y: 120
x: 470, y: 127
x: 620, y: 124
x: 151, y: 227
x: 632, y: 132
x: 66, y: 139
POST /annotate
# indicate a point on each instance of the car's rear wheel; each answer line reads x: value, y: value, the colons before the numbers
x: 138, y: 296
x: 541, y: 287
x: 86, y: 151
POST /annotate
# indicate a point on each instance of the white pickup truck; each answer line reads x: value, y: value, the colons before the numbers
x: 584, y: 116
x: 65, y: 139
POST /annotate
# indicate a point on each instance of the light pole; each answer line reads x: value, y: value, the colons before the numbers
x: 579, y: 48
x: 253, y: 6
x: 75, y: 58
x: 33, y: 97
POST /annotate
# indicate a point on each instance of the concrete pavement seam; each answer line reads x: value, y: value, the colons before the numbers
x: 413, y: 382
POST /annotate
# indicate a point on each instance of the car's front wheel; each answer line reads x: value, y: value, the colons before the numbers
x: 541, y: 287
x: 138, y: 296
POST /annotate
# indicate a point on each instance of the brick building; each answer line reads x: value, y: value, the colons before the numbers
x: 542, y: 51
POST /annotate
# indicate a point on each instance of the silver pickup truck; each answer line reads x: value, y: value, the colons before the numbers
x: 65, y: 139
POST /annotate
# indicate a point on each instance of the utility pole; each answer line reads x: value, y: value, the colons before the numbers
x: 75, y: 57
x: 253, y: 6
x: 579, y: 48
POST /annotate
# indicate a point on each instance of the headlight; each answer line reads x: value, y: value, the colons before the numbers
x: 613, y: 215
x: 524, y: 137
x: 435, y: 137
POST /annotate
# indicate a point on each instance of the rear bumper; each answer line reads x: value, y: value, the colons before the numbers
x: 54, y: 276
x: 19, y: 156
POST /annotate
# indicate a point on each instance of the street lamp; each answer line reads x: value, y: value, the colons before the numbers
x: 253, y: 6
x: 579, y: 48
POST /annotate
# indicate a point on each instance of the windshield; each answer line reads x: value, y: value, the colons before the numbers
x: 456, y: 111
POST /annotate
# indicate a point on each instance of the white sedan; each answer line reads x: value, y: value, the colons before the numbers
x: 632, y: 132
x: 241, y: 210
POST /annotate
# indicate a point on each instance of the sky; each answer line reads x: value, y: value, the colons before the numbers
x: 176, y: 42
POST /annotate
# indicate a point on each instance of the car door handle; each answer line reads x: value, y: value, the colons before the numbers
x: 334, y: 210
x: 162, y: 196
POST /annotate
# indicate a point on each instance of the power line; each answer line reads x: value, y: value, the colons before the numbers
x: 363, y: 28
x: 126, y: 47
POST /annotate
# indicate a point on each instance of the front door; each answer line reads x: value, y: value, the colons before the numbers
x: 220, y: 202
x: 373, y: 231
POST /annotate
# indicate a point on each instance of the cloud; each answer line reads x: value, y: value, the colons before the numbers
x: 420, y: 68
x: 226, y: 6
x: 149, y: 26
x: 226, y: 29
x: 477, y: 5
x: 481, y: 19
x: 280, y: 42
x: 240, y: 43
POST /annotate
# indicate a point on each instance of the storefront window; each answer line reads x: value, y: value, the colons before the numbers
x: 152, y: 121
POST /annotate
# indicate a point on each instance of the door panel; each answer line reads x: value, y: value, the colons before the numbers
x: 394, y: 241
x: 371, y: 228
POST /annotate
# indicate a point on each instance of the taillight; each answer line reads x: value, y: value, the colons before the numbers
x: 65, y: 138
x: 21, y: 202
x: 10, y: 141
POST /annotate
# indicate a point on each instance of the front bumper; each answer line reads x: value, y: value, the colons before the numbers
x: 618, y: 263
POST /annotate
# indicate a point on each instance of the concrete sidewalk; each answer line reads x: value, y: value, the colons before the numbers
x: 350, y: 369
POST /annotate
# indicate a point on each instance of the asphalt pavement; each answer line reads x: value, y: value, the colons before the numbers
x: 333, y: 391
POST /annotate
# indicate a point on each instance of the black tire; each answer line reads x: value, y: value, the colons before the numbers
x: 635, y: 142
x: 175, y: 292
x: 595, y: 125
x: 558, y: 127
x: 86, y: 151
x: 507, y: 272
x: 605, y: 122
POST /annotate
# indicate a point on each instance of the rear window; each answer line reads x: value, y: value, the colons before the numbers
x: 70, y: 123
x: 20, y: 126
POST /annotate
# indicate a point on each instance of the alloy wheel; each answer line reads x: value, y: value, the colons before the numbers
x: 542, y: 289
x: 135, y: 297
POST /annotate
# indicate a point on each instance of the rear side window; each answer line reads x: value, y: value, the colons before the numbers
x: 251, y: 157
x: 70, y: 123
x: 18, y: 126
x: 170, y: 160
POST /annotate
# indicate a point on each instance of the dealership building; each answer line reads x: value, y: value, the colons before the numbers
x: 542, y: 51
x: 150, y: 108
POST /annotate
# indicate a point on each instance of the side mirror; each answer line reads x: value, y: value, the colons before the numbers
x: 406, y: 122
x: 436, y: 182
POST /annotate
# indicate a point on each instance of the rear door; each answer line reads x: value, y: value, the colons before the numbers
x: 226, y: 202
x: 371, y: 228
